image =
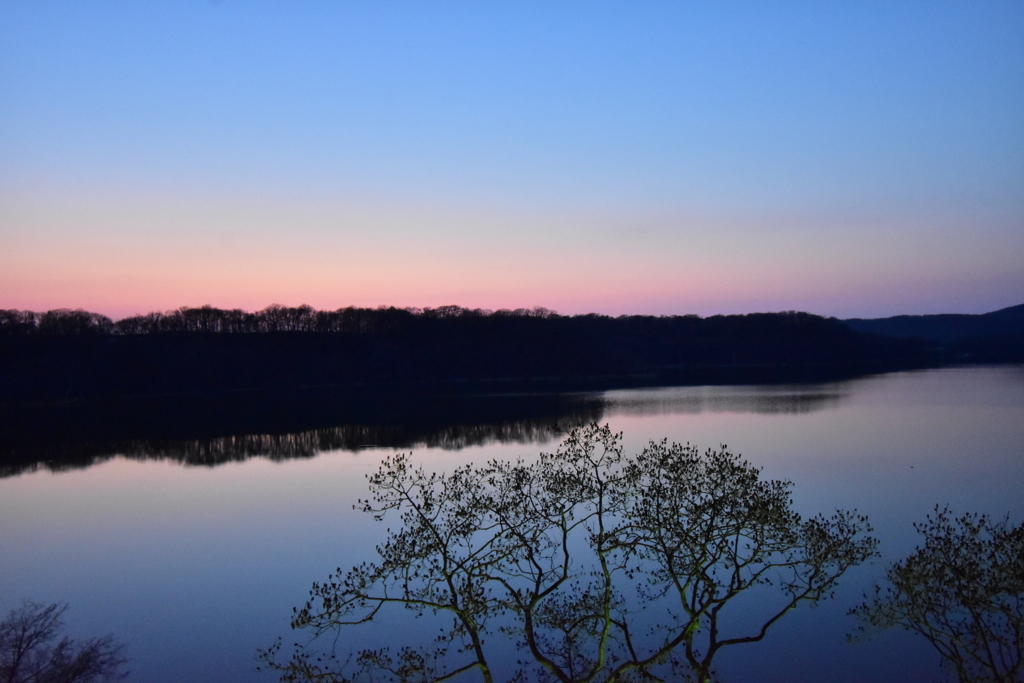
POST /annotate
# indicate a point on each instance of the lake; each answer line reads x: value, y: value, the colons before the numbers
x: 195, y: 567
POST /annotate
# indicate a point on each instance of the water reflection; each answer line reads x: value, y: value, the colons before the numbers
x: 210, y: 431
x: 90, y: 435
x: 792, y: 399
x: 355, y: 437
x: 201, y: 565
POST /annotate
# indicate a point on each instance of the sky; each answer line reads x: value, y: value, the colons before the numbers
x: 857, y: 159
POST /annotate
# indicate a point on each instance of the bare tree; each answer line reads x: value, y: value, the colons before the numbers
x: 28, y: 653
x: 600, y: 566
x: 963, y: 591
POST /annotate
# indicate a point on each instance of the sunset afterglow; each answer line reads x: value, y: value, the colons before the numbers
x: 664, y: 158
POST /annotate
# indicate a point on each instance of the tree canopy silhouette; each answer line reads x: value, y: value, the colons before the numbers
x: 28, y: 653
x: 963, y: 591
x: 67, y: 356
x: 600, y: 566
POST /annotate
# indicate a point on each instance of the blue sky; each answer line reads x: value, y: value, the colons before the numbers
x: 662, y: 157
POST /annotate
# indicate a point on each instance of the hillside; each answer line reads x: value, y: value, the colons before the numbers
x: 946, y: 327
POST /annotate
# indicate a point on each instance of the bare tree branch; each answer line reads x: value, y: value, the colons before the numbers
x: 575, y: 556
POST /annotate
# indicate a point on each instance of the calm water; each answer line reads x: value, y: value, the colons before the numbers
x: 196, y: 567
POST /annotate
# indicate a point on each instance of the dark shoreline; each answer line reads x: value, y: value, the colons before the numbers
x: 75, y: 386
x: 213, y: 427
x: 80, y: 356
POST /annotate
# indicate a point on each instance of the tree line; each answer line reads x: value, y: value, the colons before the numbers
x: 273, y: 318
x: 73, y: 355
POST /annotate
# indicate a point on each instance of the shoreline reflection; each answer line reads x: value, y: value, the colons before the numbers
x: 209, y: 431
x: 78, y: 439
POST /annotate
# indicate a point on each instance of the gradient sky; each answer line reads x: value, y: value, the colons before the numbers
x: 848, y: 159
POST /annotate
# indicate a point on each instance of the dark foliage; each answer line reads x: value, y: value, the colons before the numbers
x: 29, y: 653
x: 603, y: 567
x: 74, y: 355
x: 963, y: 591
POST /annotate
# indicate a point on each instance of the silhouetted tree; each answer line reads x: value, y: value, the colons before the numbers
x: 28, y: 653
x: 17, y: 322
x: 601, y: 566
x: 963, y: 591
x: 77, y: 322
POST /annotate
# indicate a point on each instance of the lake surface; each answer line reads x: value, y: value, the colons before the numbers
x: 195, y: 567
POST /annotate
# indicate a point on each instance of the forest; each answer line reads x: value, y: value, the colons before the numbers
x: 73, y: 355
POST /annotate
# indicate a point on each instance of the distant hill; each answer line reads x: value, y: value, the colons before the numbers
x: 946, y: 328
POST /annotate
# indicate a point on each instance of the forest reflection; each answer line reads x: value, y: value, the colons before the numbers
x: 211, y: 432
x: 91, y: 435
x: 354, y: 438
